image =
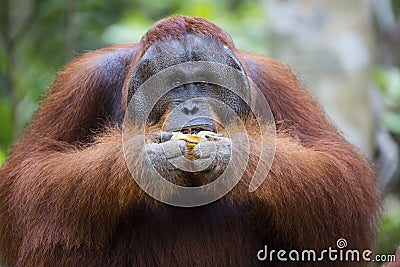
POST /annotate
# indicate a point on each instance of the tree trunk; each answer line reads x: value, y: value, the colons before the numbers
x: 328, y: 44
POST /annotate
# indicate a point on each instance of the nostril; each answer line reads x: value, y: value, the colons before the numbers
x: 195, y: 109
x: 186, y: 110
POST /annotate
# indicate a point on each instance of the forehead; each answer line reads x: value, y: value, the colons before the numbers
x: 190, y: 48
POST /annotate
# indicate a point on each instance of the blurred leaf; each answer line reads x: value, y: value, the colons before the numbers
x: 396, y: 7
x: 3, y: 156
x: 388, y: 80
x: 389, y: 233
x: 24, y: 112
x: 393, y: 85
x: 379, y: 78
x: 6, y: 129
x: 392, y: 122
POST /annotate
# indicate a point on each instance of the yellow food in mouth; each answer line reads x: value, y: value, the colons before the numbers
x: 198, y: 137
x: 193, y: 139
x: 189, y: 138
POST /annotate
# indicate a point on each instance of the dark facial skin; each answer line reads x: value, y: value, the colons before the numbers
x: 186, y: 107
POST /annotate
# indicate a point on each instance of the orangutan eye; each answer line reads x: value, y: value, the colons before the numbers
x: 176, y: 83
x: 202, y: 83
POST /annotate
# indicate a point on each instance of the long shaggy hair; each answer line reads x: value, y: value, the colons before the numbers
x: 68, y: 199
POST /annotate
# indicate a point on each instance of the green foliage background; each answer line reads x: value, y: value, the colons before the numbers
x: 39, y: 37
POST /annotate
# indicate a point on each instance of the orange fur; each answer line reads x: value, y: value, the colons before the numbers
x: 68, y: 199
